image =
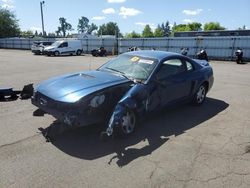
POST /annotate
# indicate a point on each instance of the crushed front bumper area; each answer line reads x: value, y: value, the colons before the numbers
x: 68, y: 113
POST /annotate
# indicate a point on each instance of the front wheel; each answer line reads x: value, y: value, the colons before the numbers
x: 56, y: 53
x: 128, y: 124
x: 200, y: 95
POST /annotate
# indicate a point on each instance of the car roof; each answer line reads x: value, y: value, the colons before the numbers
x: 159, y: 55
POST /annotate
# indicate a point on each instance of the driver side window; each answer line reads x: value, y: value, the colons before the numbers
x: 65, y: 44
x: 170, y: 68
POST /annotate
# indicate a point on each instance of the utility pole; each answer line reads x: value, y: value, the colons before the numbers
x: 41, y: 6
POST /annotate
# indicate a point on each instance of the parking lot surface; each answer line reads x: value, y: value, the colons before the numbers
x: 188, y: 146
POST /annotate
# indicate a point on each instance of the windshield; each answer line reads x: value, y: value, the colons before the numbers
x: 57, y: 43
x: 132, y: 67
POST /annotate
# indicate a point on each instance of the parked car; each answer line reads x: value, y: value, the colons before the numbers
x: 64, y: 47
x: 124, y: 90
x: 38, y: 47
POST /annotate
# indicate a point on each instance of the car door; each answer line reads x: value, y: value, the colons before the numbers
x: 173, y: 84
x: 64, y: 48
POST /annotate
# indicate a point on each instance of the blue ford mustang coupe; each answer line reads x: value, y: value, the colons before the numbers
x: 124, y: 90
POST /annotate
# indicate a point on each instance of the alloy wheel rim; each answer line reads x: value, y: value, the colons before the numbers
x: 201, y: 94
x: 128, y: 123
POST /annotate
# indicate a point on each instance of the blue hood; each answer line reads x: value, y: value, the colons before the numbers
x: 72, y: 87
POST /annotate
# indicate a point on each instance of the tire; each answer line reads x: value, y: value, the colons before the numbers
x: 200, y: 95
x: 56, y: 53
x: 129, y: 121
x: 78, y: 52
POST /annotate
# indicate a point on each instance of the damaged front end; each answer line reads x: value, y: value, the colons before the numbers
x: 124, y: 117
x: 116, y: 119
x: 132, y: 108
x: 94, y: 108
x: 84, y: 112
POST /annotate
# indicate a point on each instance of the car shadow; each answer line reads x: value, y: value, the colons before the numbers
x: 84, y: 142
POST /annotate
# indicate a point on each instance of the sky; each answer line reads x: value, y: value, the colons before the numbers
x: 130, y: 15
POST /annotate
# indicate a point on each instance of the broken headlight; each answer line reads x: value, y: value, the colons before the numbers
x: 97, y: 101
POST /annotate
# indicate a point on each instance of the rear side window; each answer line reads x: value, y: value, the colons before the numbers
x: 170, y: 68
x: 189, y: 66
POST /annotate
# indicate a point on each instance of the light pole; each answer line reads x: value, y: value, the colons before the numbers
x: 41, y: 6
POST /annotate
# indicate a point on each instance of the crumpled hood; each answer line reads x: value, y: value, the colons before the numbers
x: 72, y: 87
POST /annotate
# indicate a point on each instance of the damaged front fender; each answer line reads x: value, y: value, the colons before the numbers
x: 133, y: 105
x: 120, y: 111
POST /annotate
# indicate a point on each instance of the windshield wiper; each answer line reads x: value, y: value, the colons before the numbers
x: 121, y: 73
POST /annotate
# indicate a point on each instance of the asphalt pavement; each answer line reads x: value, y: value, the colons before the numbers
x: 185, y: 146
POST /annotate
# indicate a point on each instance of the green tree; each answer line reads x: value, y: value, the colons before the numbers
x: 110, y: 28
x: 166, y: 29
x: 213, y: 26
x: 179, y: 27
x: 92, y: 28
x: 27, y: 33
x: 133, y: 34
x: 159, y: 32
x: 194, y: 26
x: 83, y: 24
x: 147, y: 32
x: 64, y: 26
x: 8, y: 24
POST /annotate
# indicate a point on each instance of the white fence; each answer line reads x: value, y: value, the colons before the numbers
x: 216, y: 47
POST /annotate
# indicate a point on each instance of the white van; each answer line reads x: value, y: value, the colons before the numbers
x: 64, y: 47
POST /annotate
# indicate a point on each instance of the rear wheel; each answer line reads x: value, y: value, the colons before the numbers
x: 78, y: 52
x: 200, y: 95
